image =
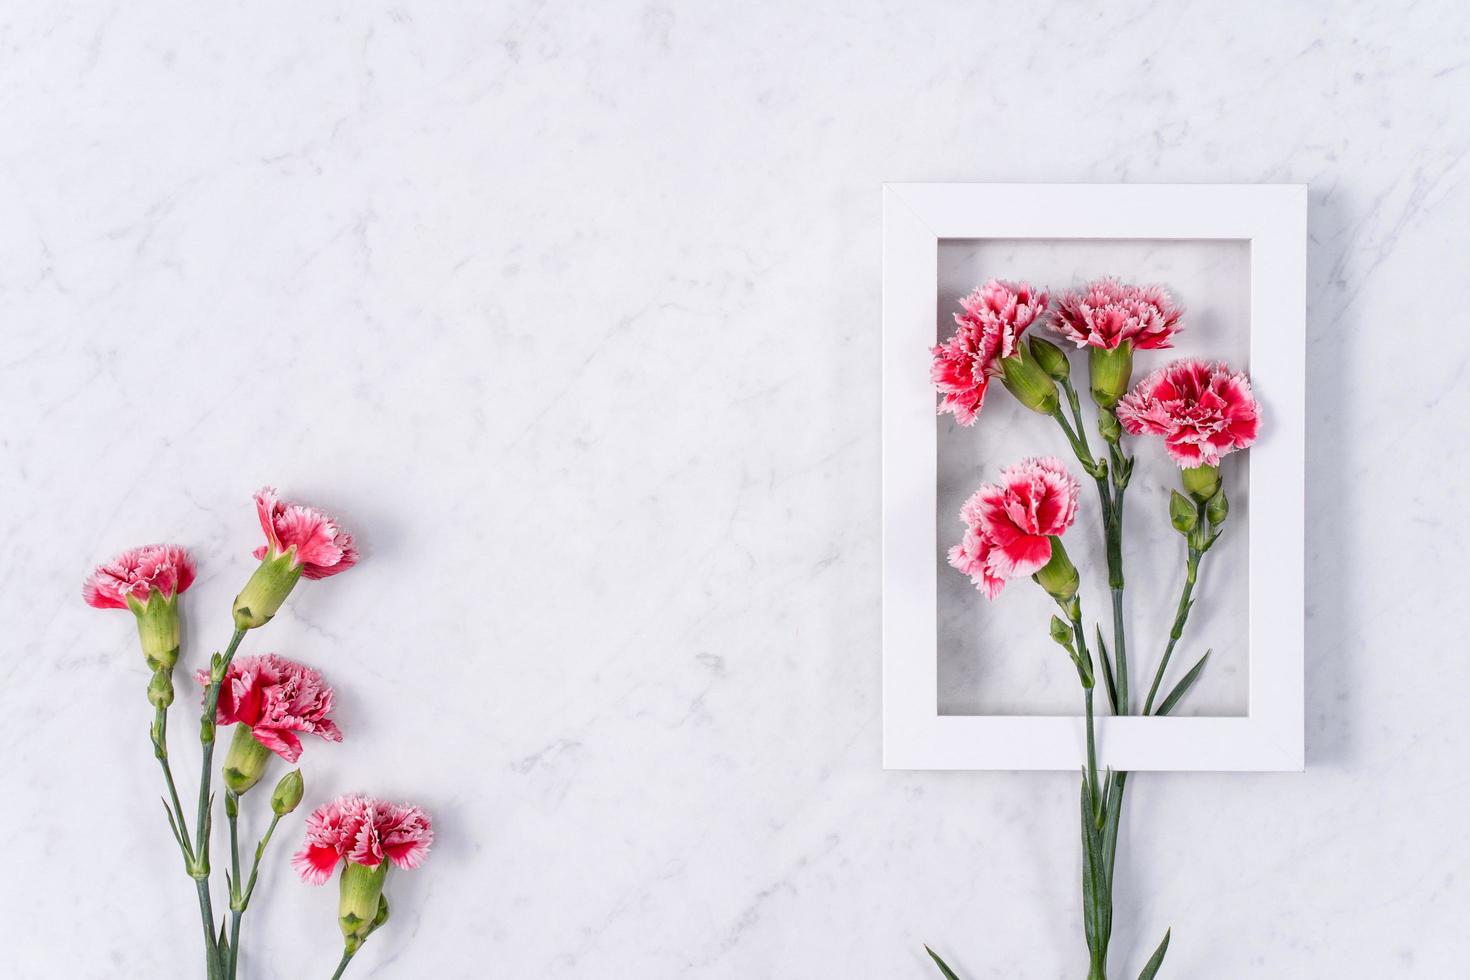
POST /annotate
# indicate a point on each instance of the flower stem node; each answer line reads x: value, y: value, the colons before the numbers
x: 288, y: 792
x: 1201, y: 482
x: 1109, y: 426
x: 161, y: 688
x: 1051, y: 359
x: 1059, y: 576
x: 1111, y: 369
x: 267, y: 589
x: 1183, y: 512
x: 361, y: 907
x: 245, y: 762
x: 1032, y: 386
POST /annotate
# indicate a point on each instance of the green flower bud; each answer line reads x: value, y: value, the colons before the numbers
x: 1201, y: 482
x: 1025, y: 379
x: 1183, y: 512
x: 161, y: 688
x: 1058, y: 576
x: 266, y: 590
x: 1051, y: 358
x: 1109, y: 426
x: 360, y: 904
x: 158, y: 629
x: 288, y: 792
x: 1111, y: 372
x: 1061, y: 632
x: 245, y: 762
x: 1217, y: 509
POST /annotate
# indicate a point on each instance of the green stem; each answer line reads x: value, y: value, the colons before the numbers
x: 1181, y: 615
x: 211, y: 945
x: 160, y: 751
x: 255, y: 867
x: 232, y: 811
x: 1120, y: 651
x: 1080, y: 638
x: 199, y: 869
x: 240, y: 900
x: 342, y: 965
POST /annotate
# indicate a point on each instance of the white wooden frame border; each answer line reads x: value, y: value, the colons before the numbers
x: 916, y: 218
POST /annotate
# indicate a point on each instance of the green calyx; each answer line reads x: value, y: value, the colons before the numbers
x: 1201, y: 482
x: 361, y: 907
x: 1111, y: 371
x: 1058, y: 576
x: 267, y: 589
x: 1029, y: 382
x: 245, y: 762
x: 158, y: 629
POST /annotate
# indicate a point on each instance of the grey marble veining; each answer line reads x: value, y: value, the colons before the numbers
x: 571, y: 313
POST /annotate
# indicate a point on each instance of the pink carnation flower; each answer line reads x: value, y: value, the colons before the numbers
x: 1202, y: 410
x: 995, y: 315
x: 137, y: 572
x: 1011, y: 524
x: 276, y: 698
x: 1107, y: 312
x: 321, y: 547
x: 365, y: 831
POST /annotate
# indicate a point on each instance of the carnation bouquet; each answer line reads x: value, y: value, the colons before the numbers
x: 270, y: 702
x: 1013, y: 528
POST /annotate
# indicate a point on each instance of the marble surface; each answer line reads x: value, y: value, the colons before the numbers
x: 571, y: 313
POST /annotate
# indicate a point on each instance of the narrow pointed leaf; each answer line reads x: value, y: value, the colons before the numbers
x: 1151, y: 968
x: 1182, y: 687
x: 943, y: 966
x: 1096, y: 901
x: 1107, y: 671
x: 1112, y: 817
x: 173, y: 826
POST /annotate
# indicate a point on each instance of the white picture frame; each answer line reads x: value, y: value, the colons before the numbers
x: 917, y: 218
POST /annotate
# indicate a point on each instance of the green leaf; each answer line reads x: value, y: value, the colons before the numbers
x: 173, y: 826
x: 1097, y: 912
x: 1182, y: 687
x: 1112, y: 816
x: 943, y: 966
x: 224, y: 946
x: 1157, y: 960
x: 1107, y: 670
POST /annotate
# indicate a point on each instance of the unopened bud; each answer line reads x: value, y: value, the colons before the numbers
x: 266, y: 590
x: 1051, y: 358
x: 1025, y: 379
x: 1217, y: 509
x: 1061, y: 632
x: 1111, y: 371
x: 245, y: 762
x: 1109, y: 426
x: 288, y: 792
x: 161, y: 688
x: 1201, y: 482
x: 1183, y: 512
